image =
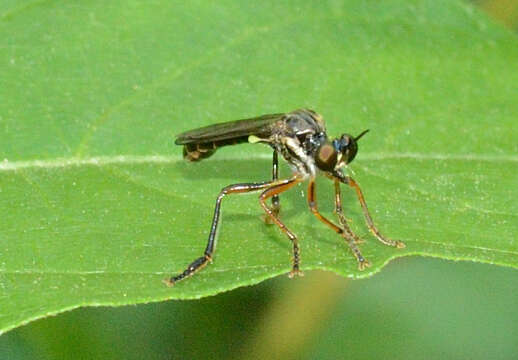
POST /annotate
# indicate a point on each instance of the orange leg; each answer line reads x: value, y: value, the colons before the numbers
x: 339, y: 212
x: 271, y: 192
x: 370, y: 224
x: 346, y: 232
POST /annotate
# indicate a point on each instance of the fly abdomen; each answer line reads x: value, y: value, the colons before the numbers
x: 197, y: 152
x: 200, y: 151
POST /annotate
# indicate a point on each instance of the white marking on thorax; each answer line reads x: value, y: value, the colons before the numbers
x: 306, y: 161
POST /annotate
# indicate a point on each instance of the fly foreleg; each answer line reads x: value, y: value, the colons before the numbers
x: 368, y: 219
x: 350, y: 237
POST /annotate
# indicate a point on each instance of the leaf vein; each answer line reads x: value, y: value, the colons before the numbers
x: 61, y: 162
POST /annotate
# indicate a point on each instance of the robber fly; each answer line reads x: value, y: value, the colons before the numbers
x: 300, y: 138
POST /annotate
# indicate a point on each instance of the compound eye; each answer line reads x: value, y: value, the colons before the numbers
x: 326, y: 157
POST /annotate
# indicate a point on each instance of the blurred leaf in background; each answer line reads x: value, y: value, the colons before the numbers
x: 415, y: 309
x: 504, y: 11
x: 87, y: 135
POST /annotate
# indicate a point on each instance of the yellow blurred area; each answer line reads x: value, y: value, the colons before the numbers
x: 505, y: 11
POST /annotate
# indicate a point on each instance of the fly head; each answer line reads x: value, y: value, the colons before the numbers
x: 331, y: 155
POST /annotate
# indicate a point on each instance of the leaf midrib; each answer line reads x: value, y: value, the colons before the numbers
x: 63, y: 162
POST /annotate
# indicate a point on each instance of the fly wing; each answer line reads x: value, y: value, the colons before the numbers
x: 227, y: 131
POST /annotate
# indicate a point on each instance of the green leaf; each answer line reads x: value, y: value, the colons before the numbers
x: 97, y: 205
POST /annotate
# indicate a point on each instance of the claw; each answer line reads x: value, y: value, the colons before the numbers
x: 169, y: 282
x: 295, y: 272
x: 400, y: 244
x: 363, y: 264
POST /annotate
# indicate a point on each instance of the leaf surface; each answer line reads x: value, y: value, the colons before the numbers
x: 97, y: 205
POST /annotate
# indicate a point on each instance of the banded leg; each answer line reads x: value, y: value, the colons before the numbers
x: 202, y: 261
x: 346, y: 232
x: 368, y: 219
x: 276, y: 202
x: 276, y: 206
x: 276, y: 190
x: 352, y: 239
x: 340, y: 213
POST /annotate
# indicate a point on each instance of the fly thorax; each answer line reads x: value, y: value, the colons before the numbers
x: 297, y: 156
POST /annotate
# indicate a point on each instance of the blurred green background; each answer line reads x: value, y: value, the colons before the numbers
x: 416, y: 308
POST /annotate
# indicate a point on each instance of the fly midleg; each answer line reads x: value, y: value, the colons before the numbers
x: 276, y: 190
